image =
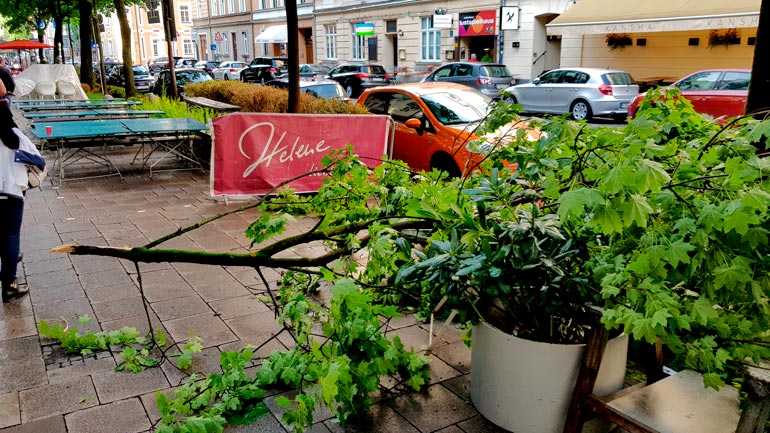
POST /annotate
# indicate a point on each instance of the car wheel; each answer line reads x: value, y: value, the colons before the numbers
x: 227, y: 77
x: 581, y: 110
x: 445, y: 163
x: 349, y: 90
x: 509, y: 99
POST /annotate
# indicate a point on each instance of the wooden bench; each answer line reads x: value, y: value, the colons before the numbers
x: 211, y: 104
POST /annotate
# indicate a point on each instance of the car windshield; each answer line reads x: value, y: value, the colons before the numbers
x: 458, y: 107
x: 618, y: 78
x: 495, y: 71
x: 191, y: 77
x: 140, y: 71
x: 321, y: 69
x: 331, y: 90
x: 373, y: 69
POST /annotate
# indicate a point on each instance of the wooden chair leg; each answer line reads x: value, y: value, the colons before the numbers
x: 586, y: 379
x: 755, y: 414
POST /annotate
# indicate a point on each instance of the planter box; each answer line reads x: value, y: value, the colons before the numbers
x: 526, y: 386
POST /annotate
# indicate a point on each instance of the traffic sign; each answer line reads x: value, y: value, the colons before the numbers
x: 218, y: 37
x: 213, y: 47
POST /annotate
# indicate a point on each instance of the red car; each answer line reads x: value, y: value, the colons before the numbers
x: 715, y: 92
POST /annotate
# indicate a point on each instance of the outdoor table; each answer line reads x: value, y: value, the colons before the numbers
x: 74, y: 139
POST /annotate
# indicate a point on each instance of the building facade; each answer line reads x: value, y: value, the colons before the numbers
x: 529, y: 36
x: 417, y: 35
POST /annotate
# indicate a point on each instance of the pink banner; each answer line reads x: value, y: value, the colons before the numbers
x: 255, y: 152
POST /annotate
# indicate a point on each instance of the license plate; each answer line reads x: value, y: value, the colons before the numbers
x: 501, y: 86
x: 378, y: 80
x: 623, y: 105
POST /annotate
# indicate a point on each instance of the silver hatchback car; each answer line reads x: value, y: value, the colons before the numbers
x: 582, y: 92
x: 488, y: 78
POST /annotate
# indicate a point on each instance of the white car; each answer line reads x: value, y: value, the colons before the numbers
x: 582, y: 92
x: 229, y: 70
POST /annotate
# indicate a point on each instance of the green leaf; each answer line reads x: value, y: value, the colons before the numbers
x: 703, y: 311
x: 283, y: 401
x: 84, y: 319
x: 652, y: 175
x: 678, y: 252
x: 637, y: 210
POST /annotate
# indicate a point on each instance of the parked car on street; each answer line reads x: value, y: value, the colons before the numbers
x: 263, y: 69
x: 715, y: 92
x: 208, y: 66
x: 323, y: 88
x: 432, y: 122
x: 184, y: 63
x: 313, y: 71
x: 183, y: 77
x: 488, y: 78
x: 229, y: 70
x: 356, y: 78
x: 143, y: 81
x: 160, y: 63
x: 581, y: 92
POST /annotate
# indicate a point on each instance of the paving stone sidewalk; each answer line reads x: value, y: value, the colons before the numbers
x: 44, y: 390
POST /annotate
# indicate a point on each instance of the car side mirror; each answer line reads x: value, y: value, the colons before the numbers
x: 536, y: 81
x: 415, y: 124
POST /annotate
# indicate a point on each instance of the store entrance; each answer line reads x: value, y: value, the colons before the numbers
x: 481, y: 45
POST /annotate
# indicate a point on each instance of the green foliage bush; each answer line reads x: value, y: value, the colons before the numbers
x: 116, y: 91
x: 265, y: 99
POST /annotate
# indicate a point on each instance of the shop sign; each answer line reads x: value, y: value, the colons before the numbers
x: 509, y: 18
x: 365, y: 29
x: 442, y: 21
x: 482, y: 23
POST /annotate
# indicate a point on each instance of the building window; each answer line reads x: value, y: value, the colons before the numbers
x: 242, y: 5
x: 155, y: 48
x: 214, y: 8
x: 222, y: 7
x: 264, y: 4
x: 225, y: 45
x: 245, y: 46
x: 187, y: 47
x: 199, y: 6
x: 275, y: 3
x: 331, y: 41
x: 184, y: 14
x: 430, y: 43
x: 359, y: 46
x: 138, y: 15
x: 231, y: 6
x: 110, y: 49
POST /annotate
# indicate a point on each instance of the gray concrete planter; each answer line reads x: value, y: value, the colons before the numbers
x: 525, y: 386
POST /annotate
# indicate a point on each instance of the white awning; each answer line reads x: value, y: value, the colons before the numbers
x: 272, y: 35
x: 630, y: 16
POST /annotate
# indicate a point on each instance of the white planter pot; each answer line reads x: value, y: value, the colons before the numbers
x: 525, y: 386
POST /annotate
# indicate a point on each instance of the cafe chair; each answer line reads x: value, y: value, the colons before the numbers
x: 676, y: 403
x: 66, y: 89
x: 45, y: 89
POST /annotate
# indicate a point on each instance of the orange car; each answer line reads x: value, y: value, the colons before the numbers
x: 434, y: 123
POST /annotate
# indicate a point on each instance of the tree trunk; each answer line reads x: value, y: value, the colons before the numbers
x: 292, y: 27
x: 759, y: 87
x: 125, y: 35
x: 58, y: 39
x: 86, y: 56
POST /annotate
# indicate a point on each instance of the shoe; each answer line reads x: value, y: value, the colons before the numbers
x: 12, y: 291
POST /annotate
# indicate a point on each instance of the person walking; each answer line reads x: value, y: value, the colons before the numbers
x: 473, y: 58
x: 6, y: 76
x: 16, y: 150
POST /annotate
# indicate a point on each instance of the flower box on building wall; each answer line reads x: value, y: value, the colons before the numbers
x: 726, y: 37
x: 618, y: 40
